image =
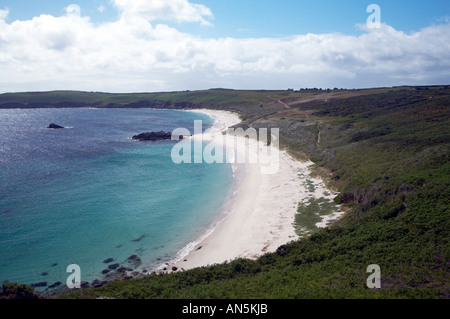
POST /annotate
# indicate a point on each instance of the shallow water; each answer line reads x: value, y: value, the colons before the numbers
x: 87, y: 193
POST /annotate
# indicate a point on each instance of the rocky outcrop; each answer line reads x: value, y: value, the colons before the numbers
x: 55, y: 126
x: 154, y: 136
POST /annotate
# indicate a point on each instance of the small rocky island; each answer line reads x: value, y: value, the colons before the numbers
x: 154, y: 136
x: 55, y: 126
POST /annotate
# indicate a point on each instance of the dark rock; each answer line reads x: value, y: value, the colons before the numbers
x: 109, y: 260
x: 174, y: 268
x: 113, y: 266
x: 199, y: 248
x: 134, y: 259
x: 105, y: 271
x: 39, y: 284
x: 122, y: 270
x: 282, y: 250
x: 84, y: 284
x: 55, y: 285
x: 154, y: 136
x: 55, y: 264
x: 44, y: 274
x: 139, y: 239
x: 97, y: 283
x: 55, y: 126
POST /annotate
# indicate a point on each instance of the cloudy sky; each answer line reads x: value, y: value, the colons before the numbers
x: 168, y: 45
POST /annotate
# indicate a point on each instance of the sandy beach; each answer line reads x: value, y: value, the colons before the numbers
x: 262, y: 213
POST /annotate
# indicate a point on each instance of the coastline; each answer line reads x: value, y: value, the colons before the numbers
x: 260, y: 216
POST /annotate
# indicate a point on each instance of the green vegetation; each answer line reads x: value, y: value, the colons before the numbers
x: 18, y: 291
x: 311, y: 213
x: 387, y: 153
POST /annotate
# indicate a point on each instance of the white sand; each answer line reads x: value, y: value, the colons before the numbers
x: 261, y: 214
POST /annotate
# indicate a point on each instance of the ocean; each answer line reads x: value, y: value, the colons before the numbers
x: 88, y: 193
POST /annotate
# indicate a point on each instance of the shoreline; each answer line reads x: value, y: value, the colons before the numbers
x: 258, y: 214
x: 261, y: 214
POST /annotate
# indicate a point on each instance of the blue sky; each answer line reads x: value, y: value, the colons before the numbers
x: 264, y: 18
x: 152, y: 45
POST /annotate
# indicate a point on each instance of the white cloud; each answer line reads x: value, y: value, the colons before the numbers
x: 176, y: 10
x: 4, y: 14
x: 101, y: 8
x: 73, y: 9
x: 129, y: 55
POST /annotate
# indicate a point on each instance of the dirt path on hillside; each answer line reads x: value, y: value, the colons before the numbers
x: 284, y: 104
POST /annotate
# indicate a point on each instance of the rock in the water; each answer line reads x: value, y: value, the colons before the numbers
x: 114, y: 266
x: 122, y: 270
x: 154, y: 136
x: 108, y: 260
x: 39, y: 284
x: 55, y: 285
x: 139, y: 239
x: 55, y: 126
x: 134, y: 258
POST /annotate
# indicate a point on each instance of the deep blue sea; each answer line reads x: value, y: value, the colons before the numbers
x: 87, y: 193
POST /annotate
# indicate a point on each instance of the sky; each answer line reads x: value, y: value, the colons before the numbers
x: 173, y: 45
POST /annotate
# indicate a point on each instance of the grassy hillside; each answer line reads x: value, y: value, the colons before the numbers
x: 252, y: 105
x: 385, y: 150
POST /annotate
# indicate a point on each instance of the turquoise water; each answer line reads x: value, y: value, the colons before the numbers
x: 88, y: 192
